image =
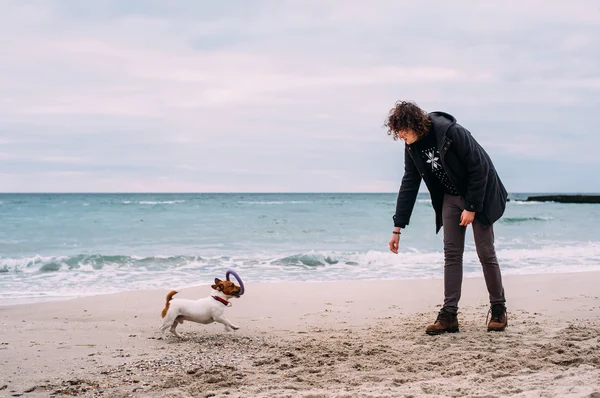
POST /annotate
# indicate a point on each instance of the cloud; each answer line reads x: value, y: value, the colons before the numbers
x: 132, y: 92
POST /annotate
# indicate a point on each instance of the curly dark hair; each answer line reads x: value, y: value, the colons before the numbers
x: 407, y: 115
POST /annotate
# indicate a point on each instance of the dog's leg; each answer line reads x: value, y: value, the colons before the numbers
x: 228, y: 325
x: 171, y: 320
x: 174, y: 326
x: 165, y: 325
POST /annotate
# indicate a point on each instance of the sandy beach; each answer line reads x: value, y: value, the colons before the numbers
x: 312, y: 340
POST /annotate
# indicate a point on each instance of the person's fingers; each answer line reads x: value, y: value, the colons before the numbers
x: 394, y: 246
x: 466, y: 219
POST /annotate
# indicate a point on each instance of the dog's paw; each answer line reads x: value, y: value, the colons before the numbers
x: 234, y: 327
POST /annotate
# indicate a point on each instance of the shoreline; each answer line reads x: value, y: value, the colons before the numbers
x: 8, y: 302
x: 316, y: 340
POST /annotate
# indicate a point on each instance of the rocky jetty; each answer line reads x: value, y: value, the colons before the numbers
x: 565, y: 198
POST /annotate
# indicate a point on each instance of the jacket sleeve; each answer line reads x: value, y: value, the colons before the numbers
x: 476, y: 162
x: 409, y: 188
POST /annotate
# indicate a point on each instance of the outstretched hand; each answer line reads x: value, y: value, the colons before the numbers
x: 394, y: 241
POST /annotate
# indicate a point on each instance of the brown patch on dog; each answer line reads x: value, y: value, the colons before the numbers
x: 169, y: 298
x: 227, y: 287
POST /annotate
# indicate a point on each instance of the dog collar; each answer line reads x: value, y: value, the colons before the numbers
x: 219, y: 299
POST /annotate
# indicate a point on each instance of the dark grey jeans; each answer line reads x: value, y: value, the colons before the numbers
x: 454, y: 247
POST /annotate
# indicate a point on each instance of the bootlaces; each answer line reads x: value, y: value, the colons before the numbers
x: 444, y: 316
x: 497, y: 311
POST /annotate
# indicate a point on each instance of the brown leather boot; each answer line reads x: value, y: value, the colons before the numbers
x: 499, y: 320
x: 445, y: 322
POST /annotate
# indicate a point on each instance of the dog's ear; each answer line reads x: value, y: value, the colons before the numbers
x: 218, y: 284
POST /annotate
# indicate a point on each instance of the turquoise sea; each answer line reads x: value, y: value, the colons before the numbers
x: 56, y: 246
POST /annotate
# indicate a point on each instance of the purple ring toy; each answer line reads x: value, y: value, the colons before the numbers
x: 232, y: 272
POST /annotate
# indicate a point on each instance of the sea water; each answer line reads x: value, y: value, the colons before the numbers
x: 64, y: 245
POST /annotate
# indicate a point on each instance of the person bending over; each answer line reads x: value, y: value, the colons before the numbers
x: 464, y: 188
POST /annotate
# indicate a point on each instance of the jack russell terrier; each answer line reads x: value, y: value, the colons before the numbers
x: 206, y: 310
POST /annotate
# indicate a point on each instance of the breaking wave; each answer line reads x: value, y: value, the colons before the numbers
x: 85, y: 274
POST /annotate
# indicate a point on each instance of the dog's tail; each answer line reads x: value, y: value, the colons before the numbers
x: 169, y: 298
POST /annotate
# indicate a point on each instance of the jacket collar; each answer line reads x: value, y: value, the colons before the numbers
x: 441, y: 122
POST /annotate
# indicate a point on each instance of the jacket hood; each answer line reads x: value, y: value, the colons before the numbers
x: 441, y: 122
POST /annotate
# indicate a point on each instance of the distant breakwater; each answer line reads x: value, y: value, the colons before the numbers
x: 565, y: 198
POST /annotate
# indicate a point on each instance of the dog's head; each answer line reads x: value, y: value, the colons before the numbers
x: 227, y: 287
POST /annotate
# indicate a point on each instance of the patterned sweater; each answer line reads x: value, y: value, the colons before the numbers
x: 427, y: 148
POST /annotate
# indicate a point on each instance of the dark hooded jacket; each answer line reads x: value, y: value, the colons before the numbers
x: 468, y: 167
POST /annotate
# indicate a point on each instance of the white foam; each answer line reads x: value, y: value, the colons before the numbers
x: 25, y: 264
x: 150, y: 202
x: 526, y: 203
x: 166, y: 202
x: 273, y: 202
x: 23, y: 275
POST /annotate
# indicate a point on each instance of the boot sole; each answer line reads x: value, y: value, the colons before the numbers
x: 438, y: 332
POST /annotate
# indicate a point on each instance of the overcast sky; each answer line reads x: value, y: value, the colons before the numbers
x: 280, y: 96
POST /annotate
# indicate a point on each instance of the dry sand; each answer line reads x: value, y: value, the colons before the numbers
x: 310, y: 340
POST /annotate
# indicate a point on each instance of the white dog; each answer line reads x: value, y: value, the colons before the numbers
x: 206, y: 310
